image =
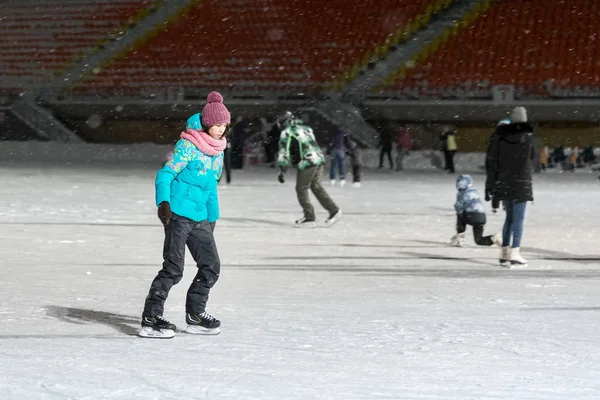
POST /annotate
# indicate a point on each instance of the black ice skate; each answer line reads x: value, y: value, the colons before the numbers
x: 157, y: 327
x: 305, y: 223
x: 202, y: 324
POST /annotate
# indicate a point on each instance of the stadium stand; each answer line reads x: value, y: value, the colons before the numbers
x: 39, y: 40
x: 264, y: 44
x: 545, y: 48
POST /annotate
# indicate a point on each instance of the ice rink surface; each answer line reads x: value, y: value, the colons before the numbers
x: 376, y: 307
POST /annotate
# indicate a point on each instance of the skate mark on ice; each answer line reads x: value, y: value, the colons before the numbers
x: 546, y: 255
x: 577, y: 260
x: 119, y: 224
x: 582, y: 260
x: 409, y: 256
x: 64, y: 336
x: 52, y: 389
x: 449, y: 211
x: 361, y: 213
x: 555, y: 255
x: 376, y: 246
x: 112, y: 394
x: 84, y: 316
x: 425, y: 256
x: 491, y: 273
x: 437, y: 243
x: 255, y: 221
x: 420, y: 271
x: 561, y: 309
x: 332, y: 258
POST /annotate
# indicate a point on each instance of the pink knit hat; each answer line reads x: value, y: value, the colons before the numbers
x: 215, y: 111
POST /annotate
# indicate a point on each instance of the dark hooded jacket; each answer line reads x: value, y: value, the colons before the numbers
x: 509, y: 162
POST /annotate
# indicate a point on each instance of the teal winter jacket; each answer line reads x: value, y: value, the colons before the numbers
x: 188, y: 181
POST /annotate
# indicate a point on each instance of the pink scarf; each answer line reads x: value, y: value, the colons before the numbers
x: 204, y: 142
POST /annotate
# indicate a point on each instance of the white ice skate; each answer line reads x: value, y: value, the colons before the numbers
x: 342, y: 183
x: 333, y: 218
x: 356, y: 184
x: 333, y: 182
x: 497, y: 238
x: 458, y: 240
x: 505, y: 257
x: 516, y: 261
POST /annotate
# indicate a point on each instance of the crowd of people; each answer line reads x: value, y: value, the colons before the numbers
x: 259, y: 142
x: 571, y: 160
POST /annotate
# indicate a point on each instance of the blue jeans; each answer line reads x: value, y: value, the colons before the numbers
x: 513, y: 224
x: 337, y: 159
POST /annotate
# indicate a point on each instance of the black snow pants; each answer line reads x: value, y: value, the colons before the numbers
x: 198, y: 237
x: 477, y: 221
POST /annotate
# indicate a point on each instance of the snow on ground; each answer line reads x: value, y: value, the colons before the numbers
x: 376, y: 307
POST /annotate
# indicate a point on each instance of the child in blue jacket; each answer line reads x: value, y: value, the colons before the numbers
x: 470, y: 211
x: 188, y: 207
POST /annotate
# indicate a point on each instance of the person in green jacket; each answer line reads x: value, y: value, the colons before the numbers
x: 298, y: 148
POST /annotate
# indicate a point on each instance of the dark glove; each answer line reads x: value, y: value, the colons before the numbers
x: 488, y: 195
x: 281, y: 178
x: 164, y: 212
x: 212, y: 226
x: 495, y: 204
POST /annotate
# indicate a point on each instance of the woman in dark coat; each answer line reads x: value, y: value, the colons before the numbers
x: 508, y: 167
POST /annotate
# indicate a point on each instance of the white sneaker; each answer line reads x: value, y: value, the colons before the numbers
x: 334, y: 218
x: 515, y: 258
x: 505, y: 257
x: 342, y: 183
x: 333, y: 182
x: 356, y: 184
x: 497, y: 238
x: 458, y: 240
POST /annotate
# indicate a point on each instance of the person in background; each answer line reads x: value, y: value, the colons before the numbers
x: 573, y: 159
x: 298, y: 147
x: 356, y: 157
x: 238, y: 140
x: 385, y: 143
x: 537, y: 151
x: 449, y: 148
x: 404, y: 145
x: 558, y: 156
x: 337, y: 149
x: 544, y: 158
x: 227, y: 163
x: 271, y: 142
x: 587, y: 155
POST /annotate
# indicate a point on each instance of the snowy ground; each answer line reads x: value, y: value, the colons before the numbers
x: 377, y: 307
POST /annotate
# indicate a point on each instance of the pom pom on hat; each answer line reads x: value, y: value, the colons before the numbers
x: 518, y: 114
x: 215, y: 111
x: 214, y: 97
